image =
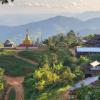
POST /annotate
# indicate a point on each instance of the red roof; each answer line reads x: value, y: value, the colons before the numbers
x: 22, y: 45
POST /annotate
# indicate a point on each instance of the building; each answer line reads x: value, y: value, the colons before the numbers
x: 27, y: 42
x: 87, y: 50
x: 9, y: 44
x: 91, y: 46
x: 92, y: 69
x: 85, y: 82
x: 93, y: 42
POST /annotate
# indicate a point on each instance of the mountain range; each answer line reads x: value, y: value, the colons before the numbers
x: 49, y: 27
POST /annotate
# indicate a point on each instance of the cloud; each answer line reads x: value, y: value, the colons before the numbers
x: 28, y: 4
x: 11, y: 4
x: 52, y: 5
x: 36, y: 4
x: 74, y: 3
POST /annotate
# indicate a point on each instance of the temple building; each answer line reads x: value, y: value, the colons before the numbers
x: 9, y: 44
x: 27, y: 42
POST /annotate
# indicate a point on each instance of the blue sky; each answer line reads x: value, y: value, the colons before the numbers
x: 26, y: 11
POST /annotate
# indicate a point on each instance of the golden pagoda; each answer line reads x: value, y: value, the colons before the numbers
x: 27, y: 40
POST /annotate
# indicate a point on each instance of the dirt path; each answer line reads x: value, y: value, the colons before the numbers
x: 16, y: 84
x: 25, y: 59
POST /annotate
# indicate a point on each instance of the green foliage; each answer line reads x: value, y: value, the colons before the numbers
x: 58, y: 67
x: 83, y: 60
x: 7, y: 52
x: 94, y: 57
x: 32, y: 55
x: 15, y: 66
x: 71, y: 39
x: 61, y: 40
x: 46, y: 79
x: 88, y: 93
x: 67, y: 75
x: 89, y: 36
x: 42, y: 75
x: 53, y: 59
x: 1, y: 80
x: 79, y: 74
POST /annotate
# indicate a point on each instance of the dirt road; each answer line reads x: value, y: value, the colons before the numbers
x: 16, y: 84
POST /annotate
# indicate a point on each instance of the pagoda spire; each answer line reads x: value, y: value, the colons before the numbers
x: 27, y: 40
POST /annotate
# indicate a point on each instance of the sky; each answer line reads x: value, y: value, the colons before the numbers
x: 41, y: 9
x: 50, y: 6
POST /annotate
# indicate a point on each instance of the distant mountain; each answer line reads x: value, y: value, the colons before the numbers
x: 49, y: 27
x: 20, y: 19
x: 87, y: 15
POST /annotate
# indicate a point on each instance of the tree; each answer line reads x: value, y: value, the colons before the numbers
x: 71, y: 38
x: 53, y: 59
x: 43, y: 77
x: 1, y: 80
x: 83, y: 60
x: 89, y: 36
x: 78, y: 72
x: 88, y: 93
x: 5, y: 1
x: 67, y: 75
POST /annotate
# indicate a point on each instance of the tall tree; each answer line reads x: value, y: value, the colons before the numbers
x: 71, y: 38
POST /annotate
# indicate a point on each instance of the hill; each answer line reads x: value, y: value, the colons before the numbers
x: 49, y: 27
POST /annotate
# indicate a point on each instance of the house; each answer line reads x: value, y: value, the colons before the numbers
x: 9, y: 44
x: 93, y: 42
x: 91, y: 46
x: 95, y: 66
x: 92, y: 69
x: 87, y: 50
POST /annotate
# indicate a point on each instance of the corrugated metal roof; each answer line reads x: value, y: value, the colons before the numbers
x: 95, y: 68
x: 85, y: 82
x: 88, y: 49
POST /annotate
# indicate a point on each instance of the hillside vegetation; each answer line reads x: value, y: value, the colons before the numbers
x: 12, y: 65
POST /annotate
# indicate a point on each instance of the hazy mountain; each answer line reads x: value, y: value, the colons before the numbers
x: 87, y: 15
x: 20, y: 19
x: 49, y: 27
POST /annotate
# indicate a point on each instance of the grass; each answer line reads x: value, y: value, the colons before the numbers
x: 7, y: 52
x: 37, y: 56
x: 53, y: 94
x: 32, y: 55
x: 14, y: 66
